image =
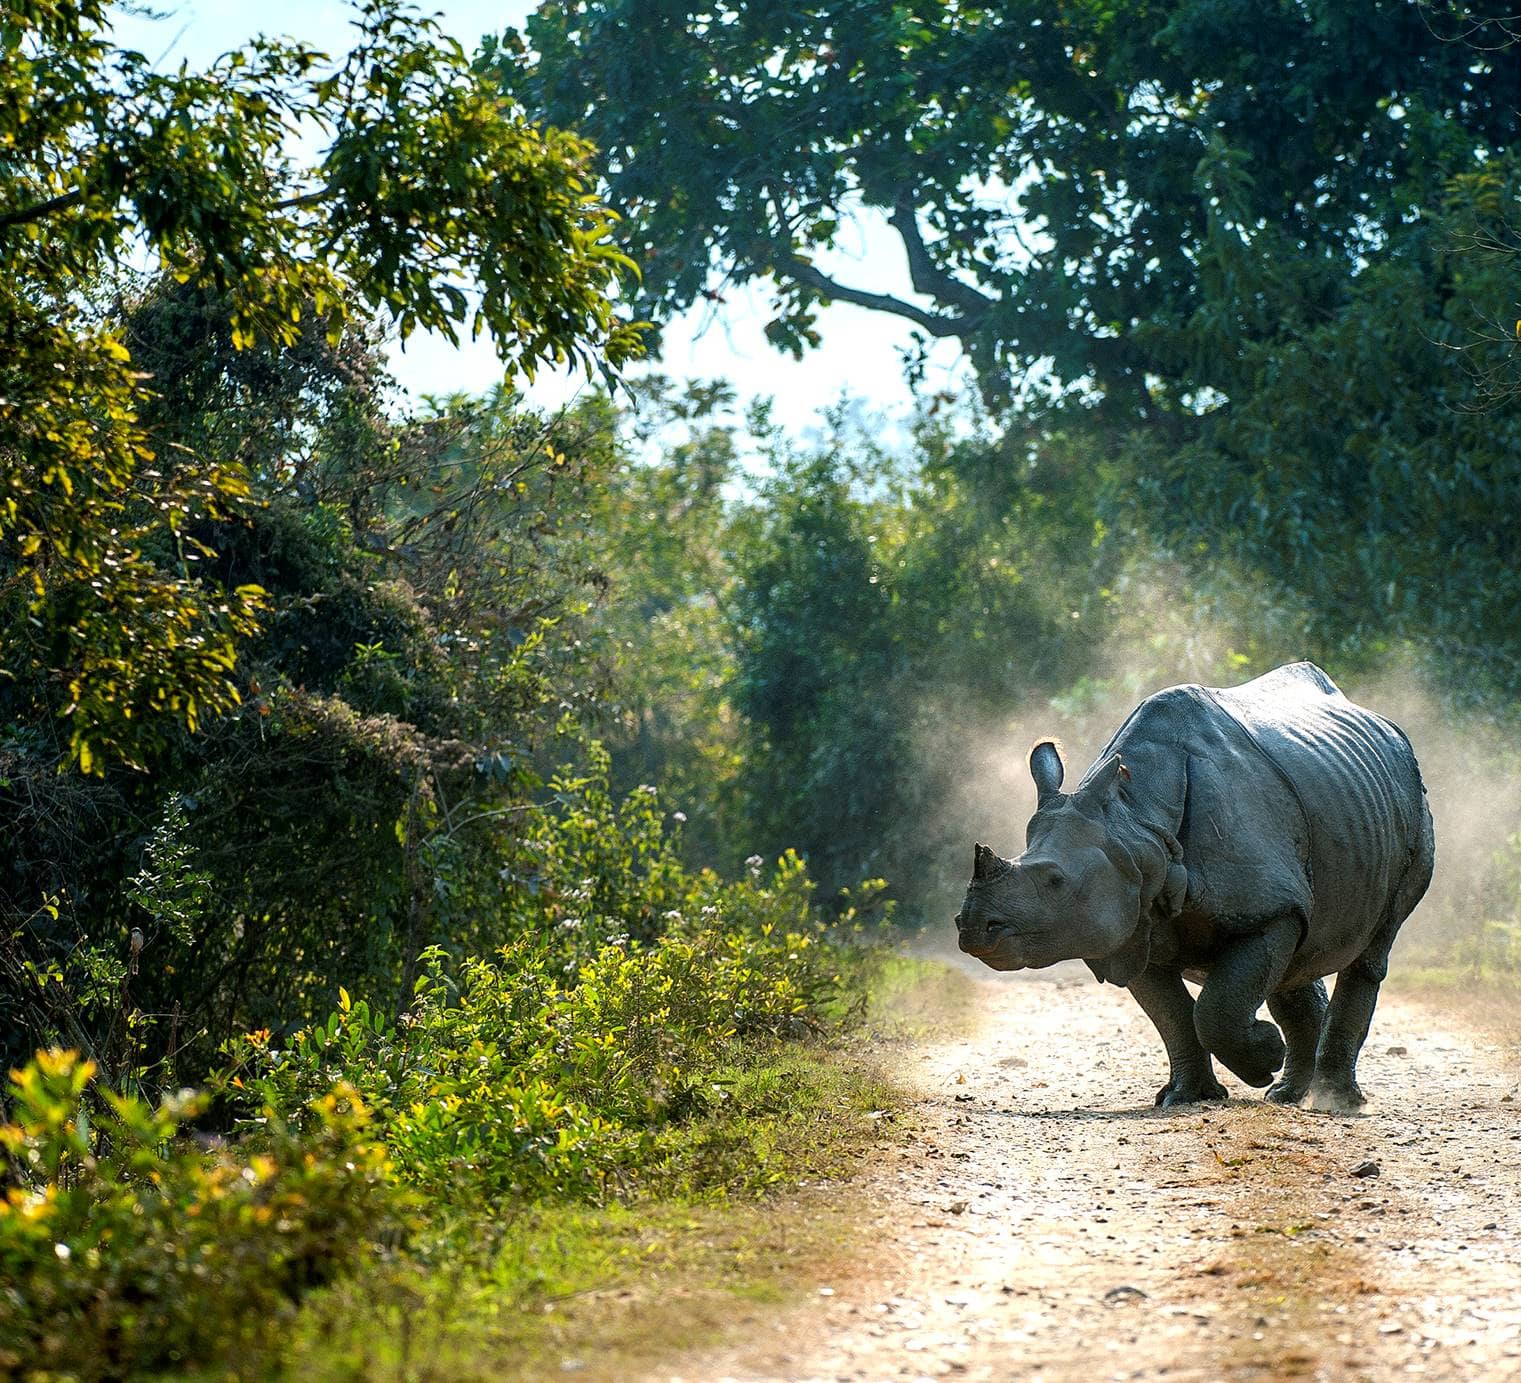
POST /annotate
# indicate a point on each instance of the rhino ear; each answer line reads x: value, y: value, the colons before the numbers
x: 1047, y: 769
x: 1106, y: 779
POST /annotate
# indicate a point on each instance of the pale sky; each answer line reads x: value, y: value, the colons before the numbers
x: 859, y: 356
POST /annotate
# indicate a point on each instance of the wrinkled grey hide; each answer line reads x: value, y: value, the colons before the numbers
x: 1253, y: 840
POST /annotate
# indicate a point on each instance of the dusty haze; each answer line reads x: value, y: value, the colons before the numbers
x: 1472, y: 768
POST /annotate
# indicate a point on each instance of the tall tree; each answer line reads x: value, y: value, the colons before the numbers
x: 428, y: 199
x: 367, y: 799
x: 1265, y: 254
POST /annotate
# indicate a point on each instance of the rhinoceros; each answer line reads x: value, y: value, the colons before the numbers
x: 1251, y: 839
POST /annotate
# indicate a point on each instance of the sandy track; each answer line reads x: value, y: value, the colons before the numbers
x: 1045, y: 1222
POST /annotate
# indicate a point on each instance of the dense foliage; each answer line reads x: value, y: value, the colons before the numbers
x: 355, y: 807
x: 473, y: 801
x: 120, y: 1258
x: 1064, y: 177
x: 863, y: 630
x: 428, y: 199
x: 574, y: 1065
x: 574, y: 1062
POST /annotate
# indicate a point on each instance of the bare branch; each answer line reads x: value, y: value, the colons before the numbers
x: 787, y: 261
x: 927, y: 279
x: 810, y: 277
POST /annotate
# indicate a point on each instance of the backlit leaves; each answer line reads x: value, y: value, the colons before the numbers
x: 429, y: 200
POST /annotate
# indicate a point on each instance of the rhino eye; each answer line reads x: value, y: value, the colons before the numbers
x: 1055, y: 882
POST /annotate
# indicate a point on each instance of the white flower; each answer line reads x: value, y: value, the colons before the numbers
x: 754, y: 865
x: 673, y: 916
x: 709, y: 911
x: 571, y: 924
x: 678, y: 817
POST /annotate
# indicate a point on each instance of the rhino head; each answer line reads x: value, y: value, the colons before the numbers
x: 1076, y: 891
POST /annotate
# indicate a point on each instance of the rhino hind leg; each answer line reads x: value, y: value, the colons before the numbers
x: 1334, y: 1088
x: 1239, y: 982
x: 1301, y: 1014
x: 1169, y: 1005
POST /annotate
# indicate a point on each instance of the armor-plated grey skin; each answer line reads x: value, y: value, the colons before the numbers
x: 1253, y: 840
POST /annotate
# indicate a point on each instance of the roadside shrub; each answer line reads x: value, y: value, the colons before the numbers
x: 631, y: 1038
x: 563, y: 1067
x: 126, y: 1247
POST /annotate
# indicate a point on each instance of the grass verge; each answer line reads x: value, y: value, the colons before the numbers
x: 753, y: 1207
x: 1489, y: 1002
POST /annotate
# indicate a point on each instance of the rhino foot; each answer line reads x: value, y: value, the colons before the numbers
x: 1255, y: 1055
x: 1189, y: 1090
x: 1330, y: 1096
x: 1287, y: 1092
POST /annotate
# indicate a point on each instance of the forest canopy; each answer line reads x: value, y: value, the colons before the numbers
x: 1117, y: 191
x: 1265, y: 258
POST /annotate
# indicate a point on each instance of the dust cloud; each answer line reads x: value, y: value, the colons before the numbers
x: 1472, y: 768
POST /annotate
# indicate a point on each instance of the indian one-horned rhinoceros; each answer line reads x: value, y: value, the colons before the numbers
x: 1253, y: 840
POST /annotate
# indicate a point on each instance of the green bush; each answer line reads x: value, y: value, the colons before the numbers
x: 632, y: 1038
x: 125, y: 1247
x: 568, y: 1064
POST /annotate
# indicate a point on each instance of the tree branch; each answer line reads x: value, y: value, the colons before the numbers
x: 38, y: 210
x: 65, y: 200
x: 306, y: 199
x: 805, y: 273
x: 926, y: 277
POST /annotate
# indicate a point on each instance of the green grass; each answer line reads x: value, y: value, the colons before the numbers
x: 612, y: 1288
x: 750, y: 1205
x: 913, y: 996
x: 1431, y: 976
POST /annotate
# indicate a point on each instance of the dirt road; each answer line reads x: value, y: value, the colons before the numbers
x: 1045, y: 1222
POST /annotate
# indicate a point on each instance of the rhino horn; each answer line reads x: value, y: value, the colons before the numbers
x: 1047, y: 769
x: 981, y: 861
x: 987, y: 864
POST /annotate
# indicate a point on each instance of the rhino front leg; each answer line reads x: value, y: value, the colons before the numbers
x: 1225, y: 1015
x: 1167, y: 1002
x: 1301, y: 1013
